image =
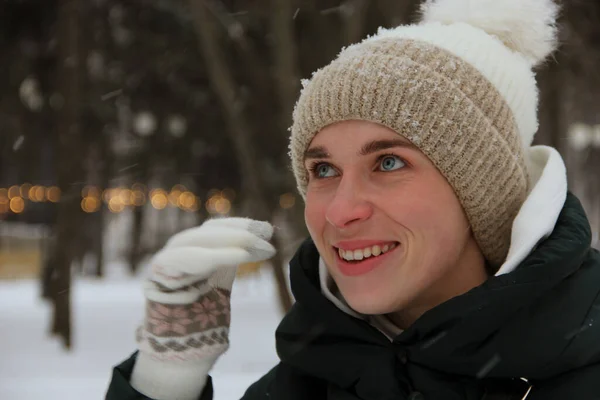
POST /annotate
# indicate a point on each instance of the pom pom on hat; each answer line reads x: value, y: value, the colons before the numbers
x: 525, y: 26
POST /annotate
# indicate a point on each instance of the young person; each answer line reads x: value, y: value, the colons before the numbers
x: 446, y: 260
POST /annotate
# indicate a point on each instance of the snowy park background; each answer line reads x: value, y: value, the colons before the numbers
x: 34, y: 367
x: 123, y: 122
x: 106, y: 313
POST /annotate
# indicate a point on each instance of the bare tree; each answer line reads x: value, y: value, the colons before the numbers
x: 225, y: 88
x: 70, y: 150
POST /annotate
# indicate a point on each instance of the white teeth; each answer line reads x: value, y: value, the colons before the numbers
x: 360, y: 254
x: 376, y: 250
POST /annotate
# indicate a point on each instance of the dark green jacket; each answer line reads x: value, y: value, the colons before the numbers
x: 540, y: 322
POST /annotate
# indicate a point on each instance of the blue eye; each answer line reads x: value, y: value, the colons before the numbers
x: 323, y: 170
x: 391, y: 163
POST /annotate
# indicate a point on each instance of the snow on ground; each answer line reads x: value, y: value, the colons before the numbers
x: 33, y: 366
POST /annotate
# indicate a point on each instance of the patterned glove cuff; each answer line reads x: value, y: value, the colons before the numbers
x: 193, y: 347
x: 186, y: 331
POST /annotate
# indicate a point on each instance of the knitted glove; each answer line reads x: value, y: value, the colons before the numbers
x: 188, y: 304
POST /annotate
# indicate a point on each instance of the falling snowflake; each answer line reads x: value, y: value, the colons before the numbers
x: 144, y: 123
x: 18, y: 143
x: 30, y: 94
x: 580, y: 136
x: 489, y: 366
x: 177, y: 125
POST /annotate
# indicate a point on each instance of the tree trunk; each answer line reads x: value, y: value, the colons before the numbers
x: 98, y: 243
x: 135, y: 253
x: 550, y: 115
x: 354, y: 12
x: 70, y: 150
x: 285, y: 56
x: 48, y: 267
x: 224, y: 86
x: 104, y: 172
x: 278, y: 260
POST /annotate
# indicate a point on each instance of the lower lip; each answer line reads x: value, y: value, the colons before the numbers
x: 363, y: 267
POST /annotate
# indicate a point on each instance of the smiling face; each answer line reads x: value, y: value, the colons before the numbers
x: 390, y: 228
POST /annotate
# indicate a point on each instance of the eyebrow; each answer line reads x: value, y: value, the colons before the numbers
x: 369, y: 148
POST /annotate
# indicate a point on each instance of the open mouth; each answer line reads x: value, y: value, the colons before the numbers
x: 359, y: 255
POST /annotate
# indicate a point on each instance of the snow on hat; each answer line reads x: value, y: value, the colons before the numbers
x: 459, y: 85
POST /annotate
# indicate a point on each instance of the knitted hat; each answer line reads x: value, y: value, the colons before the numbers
x: 459, y: 85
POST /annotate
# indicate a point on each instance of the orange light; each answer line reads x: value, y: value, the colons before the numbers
x: 17, y: 205
x: 186, y: 200
x: 194, y: 207
x: 126, y: 197
x: 218, y: 204
x: 157, y: 191
x: 210, y: 204
x: 14, y: 191
x: 40, y: 191
x: 176, y: 192
x: 159, y: 199
x: 90, y: 204
x: 115, y: 205
x: 106, y: 195
x: 90, y: 191
x: 31, y: 193
x: 53, y: 194
x: 174, y: 197
x: 139, y: 198
x: 36, y: 193
x: 24, y: 190
x: 223, y: 206
x: 4, y: 207
x: 287, y: 200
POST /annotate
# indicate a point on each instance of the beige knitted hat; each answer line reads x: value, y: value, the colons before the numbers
x: 459, y: 85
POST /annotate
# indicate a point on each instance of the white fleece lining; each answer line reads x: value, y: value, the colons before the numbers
x: 538, y: 214
x: 534, y: 222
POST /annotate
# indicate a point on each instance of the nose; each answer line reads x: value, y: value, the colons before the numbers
x: 349, y: 205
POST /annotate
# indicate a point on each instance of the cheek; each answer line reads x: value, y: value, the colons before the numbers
x: 433, y: 214
x: 315, y: 215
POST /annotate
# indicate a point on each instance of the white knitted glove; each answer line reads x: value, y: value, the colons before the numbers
x: 188, y: 304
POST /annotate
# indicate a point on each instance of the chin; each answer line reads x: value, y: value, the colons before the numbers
x: 371, y: 302
x: 380, y: 291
